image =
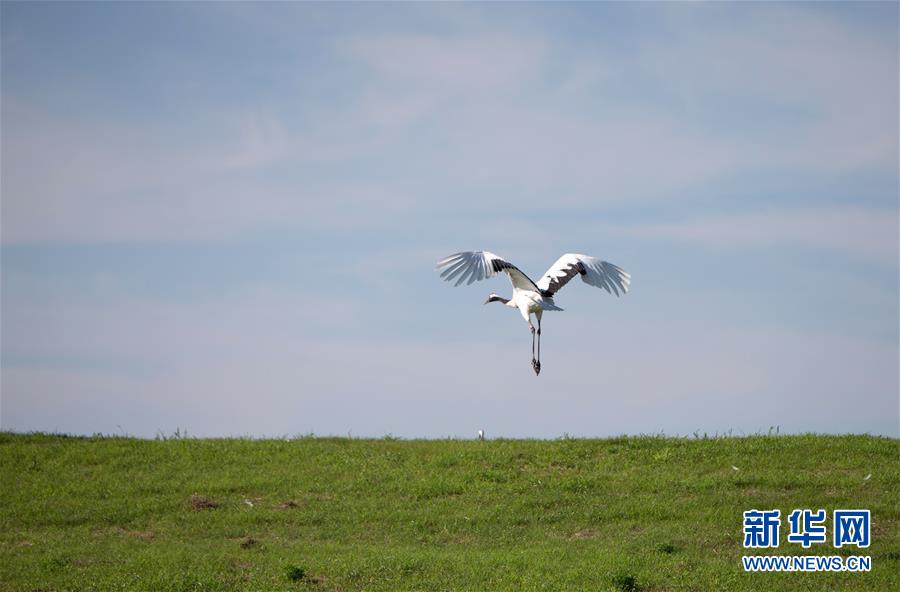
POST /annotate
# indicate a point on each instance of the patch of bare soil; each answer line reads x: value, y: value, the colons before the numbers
x: 583, y: 534
x: 201, y: 502
x: 243, y: 569
x: 146, y: 535
x: 248, y: 542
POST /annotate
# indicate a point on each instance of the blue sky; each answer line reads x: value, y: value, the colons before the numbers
x: 224, y: 217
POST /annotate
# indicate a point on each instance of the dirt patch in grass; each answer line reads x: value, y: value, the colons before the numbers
x: 84, y: 562
x: 242, y: 568
x: 583, y: 535
x: 201, y: 502
x: 146, y: 535
x: 248, y: 542
x: 288, y: 505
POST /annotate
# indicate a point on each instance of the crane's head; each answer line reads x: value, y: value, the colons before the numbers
x: 494, y: 297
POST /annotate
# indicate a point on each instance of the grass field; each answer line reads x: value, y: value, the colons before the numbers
x: 620, y: 514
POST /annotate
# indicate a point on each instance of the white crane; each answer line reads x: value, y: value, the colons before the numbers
x: 529, y: 297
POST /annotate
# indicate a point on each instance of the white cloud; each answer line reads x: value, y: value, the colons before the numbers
x: 837, y: 83
x: 488, y: 118
x: 244, y: 372
x: 77, y: 181
x: 868, y: 233
x: 458, y: 63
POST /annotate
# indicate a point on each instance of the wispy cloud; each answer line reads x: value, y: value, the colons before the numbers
x: 816, y: 90
x: 456, y: 63
x: 868, y: 233
x: 487, y: 118
x: 249, y: 372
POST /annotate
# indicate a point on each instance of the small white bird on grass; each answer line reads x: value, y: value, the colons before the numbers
x: 530, y: 297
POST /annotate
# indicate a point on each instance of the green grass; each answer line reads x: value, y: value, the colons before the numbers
x: 630, y: 513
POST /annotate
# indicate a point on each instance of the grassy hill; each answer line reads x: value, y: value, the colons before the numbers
x: 626, y: 514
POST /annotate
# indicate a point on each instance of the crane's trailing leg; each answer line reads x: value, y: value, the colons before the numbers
x: 535, y: 362
x: 531, y: 328
x: 535, y: 335
x: 526, y: 314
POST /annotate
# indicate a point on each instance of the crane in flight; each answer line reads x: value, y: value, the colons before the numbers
x: 530, y: 297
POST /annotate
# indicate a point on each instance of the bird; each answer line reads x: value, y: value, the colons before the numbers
x: 530, y: 297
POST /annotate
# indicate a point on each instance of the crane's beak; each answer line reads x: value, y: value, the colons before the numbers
x: 488, y: 300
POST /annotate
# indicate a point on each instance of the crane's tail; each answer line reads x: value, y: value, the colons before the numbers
x: 548, y: 304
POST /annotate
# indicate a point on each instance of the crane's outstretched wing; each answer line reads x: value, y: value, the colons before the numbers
x: 593, y: 271
x: 470, y: 266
